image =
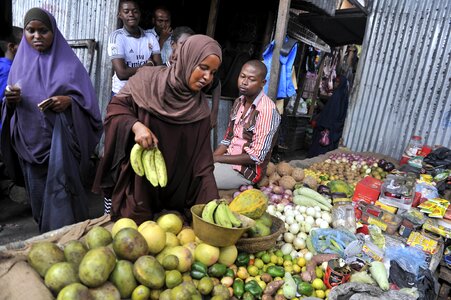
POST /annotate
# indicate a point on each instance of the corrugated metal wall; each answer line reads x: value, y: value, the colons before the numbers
x: 78, y: 19
x: 403, y: 81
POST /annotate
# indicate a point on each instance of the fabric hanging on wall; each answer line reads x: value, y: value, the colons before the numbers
x: 287, y: 56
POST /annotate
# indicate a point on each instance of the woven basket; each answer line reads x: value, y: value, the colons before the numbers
x: 256, y: 244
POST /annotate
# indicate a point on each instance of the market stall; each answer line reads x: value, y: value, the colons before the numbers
x: 336, y: 225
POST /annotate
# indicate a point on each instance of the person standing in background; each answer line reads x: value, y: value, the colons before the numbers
x: 51, y: 123
x: 9, y: 47
x: 331, y: 119
x: 130, y: 47
x: 162, y: 30
x: 9, y: 188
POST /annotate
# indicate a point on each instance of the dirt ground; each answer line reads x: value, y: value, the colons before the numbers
x: 17, y: 223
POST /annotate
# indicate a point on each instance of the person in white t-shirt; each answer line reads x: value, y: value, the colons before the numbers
x: 162, y: 30
x: 130, y: 47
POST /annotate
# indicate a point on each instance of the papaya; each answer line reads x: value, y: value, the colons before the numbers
x: 250, y: 203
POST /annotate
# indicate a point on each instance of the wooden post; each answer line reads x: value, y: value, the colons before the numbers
x: 281, y: 29
x: 212, y: 18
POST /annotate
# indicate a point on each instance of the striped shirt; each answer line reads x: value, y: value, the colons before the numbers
x: 252, y: 133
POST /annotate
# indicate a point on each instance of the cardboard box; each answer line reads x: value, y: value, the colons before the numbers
x: 368, y: 190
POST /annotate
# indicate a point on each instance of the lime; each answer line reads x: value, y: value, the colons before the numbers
x: 252, y: 270
x: 173, y: 278
x: 279, y: 261
x: 259, y: 263
x: 287, y: 263
x: 319, y: 272
x: 266, y: 258
x: 260, y: 254
x: 287, y: 257
x: 318, y: 284
x: 279, y: 253
x: 320, y: 294
x: 301, y: 262
x: 141, y: 292
x: 274, y: 259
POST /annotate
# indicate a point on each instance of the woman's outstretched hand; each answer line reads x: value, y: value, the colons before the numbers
x: 143, y: 136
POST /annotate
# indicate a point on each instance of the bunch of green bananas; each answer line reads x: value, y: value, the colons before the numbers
x: 219, y: 213
x: 149, y: 162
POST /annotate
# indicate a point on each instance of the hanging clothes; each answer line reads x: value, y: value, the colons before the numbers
x: 287, y: 57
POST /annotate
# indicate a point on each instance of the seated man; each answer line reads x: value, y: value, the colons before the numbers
x: 244, y: 153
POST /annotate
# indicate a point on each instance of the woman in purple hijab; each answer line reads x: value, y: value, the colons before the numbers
x: 52, y: 142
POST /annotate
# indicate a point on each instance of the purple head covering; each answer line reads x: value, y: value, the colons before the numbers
x: 41, y: 75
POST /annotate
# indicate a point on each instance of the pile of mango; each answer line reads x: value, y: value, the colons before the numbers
x: 164, y: 260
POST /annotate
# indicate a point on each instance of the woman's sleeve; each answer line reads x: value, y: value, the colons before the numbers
x: 121, y: 115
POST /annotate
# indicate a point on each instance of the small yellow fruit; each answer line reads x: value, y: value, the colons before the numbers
x: 155, y: 237
x: 141, y: 292
x: 206, y: 254
x: 121, y: 224
x: 318, y: 284
x: 144, y: 224
x: 320, y: 294
x: 301, y: 262
x: 171, y: 240
x: 170, y: 223
x: 186, y: 235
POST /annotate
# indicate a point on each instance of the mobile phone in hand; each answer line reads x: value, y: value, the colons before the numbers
x: 45, y: 104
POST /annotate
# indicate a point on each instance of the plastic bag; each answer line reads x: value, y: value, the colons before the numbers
x: 409, y: 259
x: 324, y: 140
x: 379, y: 273
x: 330, y: 240
x: 362, y: 277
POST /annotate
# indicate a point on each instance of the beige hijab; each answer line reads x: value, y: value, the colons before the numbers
x: 164, y: 91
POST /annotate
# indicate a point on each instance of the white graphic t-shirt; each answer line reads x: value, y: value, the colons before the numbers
x: 135, y: 51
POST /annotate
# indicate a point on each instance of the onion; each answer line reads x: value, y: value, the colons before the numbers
x: 310, y: 220
x: 299, y: 218
x: 243, y: 188
x: 294, y: 228
x: 236, y: 194
x: 323, y: 224
x: 275, y: 198
x: 308, y: 256
x: 267, y: 193
x: 310, y: 211
x: 286, y: 249
x: 250, y: 187
x: 298, y: 243
x: 288, y: 192
x: 285, y: 201
x: 286, y: 196
x: 289, y: 219
x: 288, y: 237
x: 277, y: 190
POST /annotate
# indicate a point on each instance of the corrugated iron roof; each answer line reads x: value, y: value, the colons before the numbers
x: 403, y: 82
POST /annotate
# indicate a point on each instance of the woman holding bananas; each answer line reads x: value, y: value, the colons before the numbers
x: 162, y: 110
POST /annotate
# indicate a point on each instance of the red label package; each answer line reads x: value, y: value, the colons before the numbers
x: 366, y: 190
